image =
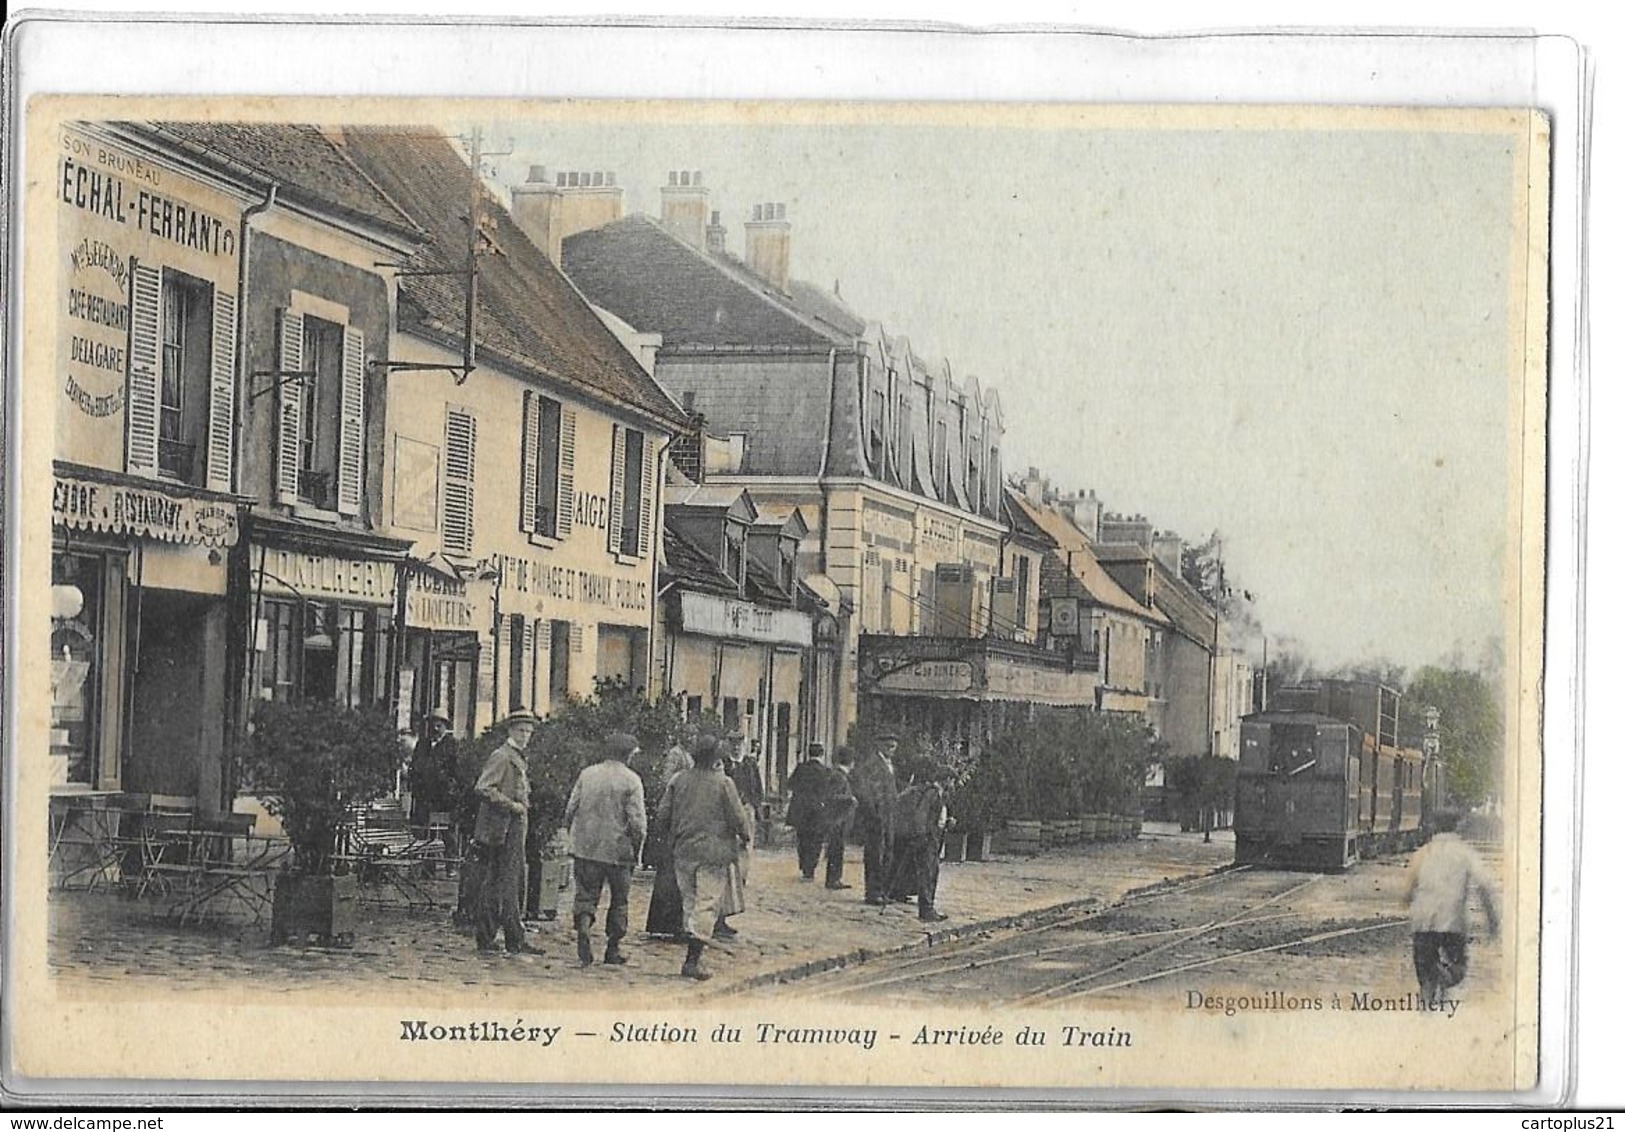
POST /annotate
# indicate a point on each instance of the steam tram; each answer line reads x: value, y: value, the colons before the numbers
x: 1323, y: 781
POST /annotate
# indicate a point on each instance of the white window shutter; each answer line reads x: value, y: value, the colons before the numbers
x: 141, y: 394
x: 290, y: 404
x: 617, y: 487
x: 222, y: 391
x: 529, y: 447
x: 352, y: 420
x: 646, y: 515
x: 458, y: 520
x: 567, y: 472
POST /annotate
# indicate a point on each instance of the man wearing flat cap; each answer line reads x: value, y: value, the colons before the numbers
x: 503, y: 793
x: 607, y: 824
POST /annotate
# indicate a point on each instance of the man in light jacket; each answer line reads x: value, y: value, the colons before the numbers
x: 707, y: 827
x: 503, y: 797
x: 1443, y: 875
x: 607, y: 825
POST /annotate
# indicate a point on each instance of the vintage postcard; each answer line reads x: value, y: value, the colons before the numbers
x: 544, y: 595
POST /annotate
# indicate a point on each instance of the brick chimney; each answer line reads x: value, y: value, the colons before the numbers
x: 1083, y: 511
x: 683, y: 206
x: 716, y: 236
x: 551, y: 209
x: 1168, y: 548
x: 767, y: 244
x: 1135, y: 529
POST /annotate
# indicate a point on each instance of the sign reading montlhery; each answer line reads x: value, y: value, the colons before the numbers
x: 910, y: 594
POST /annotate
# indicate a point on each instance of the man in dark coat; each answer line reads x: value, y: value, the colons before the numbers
x: 838, y: 807
x: 436, y: 785
x: 917, y: 843
x: 809, y: 787
x: 874, y: 785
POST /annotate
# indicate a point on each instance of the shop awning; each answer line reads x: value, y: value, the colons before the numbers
x: 95, y: 499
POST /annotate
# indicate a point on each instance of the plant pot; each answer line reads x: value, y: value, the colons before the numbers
x: 1091, y: 828
x: 1054, y: 833
x: 976, y: 844
x: 953, y: 845
x: 320, y: 907
x: 1023, y: 836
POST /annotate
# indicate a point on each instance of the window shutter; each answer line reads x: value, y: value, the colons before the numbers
x: 352, y: 409
x: 529, y: 451
x: 290, y: 404
x: 646, y: 515
x: 617, y: 486
x: 458, y: 521
x: 141, y: 395
x: 567, y: 472
x: 222, y: 391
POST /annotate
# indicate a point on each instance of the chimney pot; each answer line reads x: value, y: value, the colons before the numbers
x: 697, y: 177
x: 597, y: 180
x: 609, y: 179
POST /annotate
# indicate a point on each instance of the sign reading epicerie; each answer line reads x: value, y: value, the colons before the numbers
x: 116, y: 209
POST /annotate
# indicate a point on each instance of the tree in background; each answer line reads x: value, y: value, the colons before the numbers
x: 1471, y: 742
x: 1203, y: 789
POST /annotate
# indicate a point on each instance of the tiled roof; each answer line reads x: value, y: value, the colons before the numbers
x: 530, y: 317
x: 1121, y: 552
x: 1191, y: 616
x: 1073, y: 551
x: 831, y: 309
x: 692, y: 568
x: 645, y: 275
x: 689, y: 566
x: 306, y: 166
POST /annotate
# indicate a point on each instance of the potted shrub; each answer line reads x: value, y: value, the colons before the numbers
x: 311, y: 763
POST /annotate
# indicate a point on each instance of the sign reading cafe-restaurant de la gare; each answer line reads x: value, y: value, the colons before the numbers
x: 118, y: 211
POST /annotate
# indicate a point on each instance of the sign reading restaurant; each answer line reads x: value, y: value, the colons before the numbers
x: 146, y: 512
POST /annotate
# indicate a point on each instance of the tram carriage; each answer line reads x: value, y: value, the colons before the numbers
x: 1322, y: 779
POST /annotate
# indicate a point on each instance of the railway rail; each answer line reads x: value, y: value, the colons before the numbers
x: 1226, y: 917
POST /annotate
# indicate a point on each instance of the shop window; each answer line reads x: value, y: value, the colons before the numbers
x: 183, y: 378
x: 319, y: 409
x: 693, y: 708
x: 317, y: 651
x: 517, y: 648
x: 76, y: 648
x: 558, y: 662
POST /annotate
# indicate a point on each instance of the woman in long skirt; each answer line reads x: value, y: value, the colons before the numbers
x: 665, y: 919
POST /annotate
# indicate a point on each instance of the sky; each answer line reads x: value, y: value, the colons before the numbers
x: 1296, y: 337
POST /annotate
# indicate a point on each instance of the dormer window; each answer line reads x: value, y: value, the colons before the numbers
x: 787, y: 565
x: 733, y: 554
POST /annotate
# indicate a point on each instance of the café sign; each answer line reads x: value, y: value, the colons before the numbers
x: 144, y: 512
x: 936, y: 677
x: 319, y: 575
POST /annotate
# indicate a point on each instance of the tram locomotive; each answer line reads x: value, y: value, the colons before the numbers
x: 1323, y: 781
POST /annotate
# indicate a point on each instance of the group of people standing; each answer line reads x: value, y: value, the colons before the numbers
x: 699, y: 839
x: 900, y: 829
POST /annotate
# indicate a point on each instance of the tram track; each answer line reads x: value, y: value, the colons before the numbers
x: 1232, y: 916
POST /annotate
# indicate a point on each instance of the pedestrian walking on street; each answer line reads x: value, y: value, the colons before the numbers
x: 708, y: 828
x: 607, y: 824
x: 500, y: 827
x: 922, y: 815
x: 809, y: 786
x: 874, y: 786
x: 1441, y: 879
x: 665, y: 919
x: 839, y: 805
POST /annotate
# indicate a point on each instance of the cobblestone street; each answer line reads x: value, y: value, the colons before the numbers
x: 100, y: 940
